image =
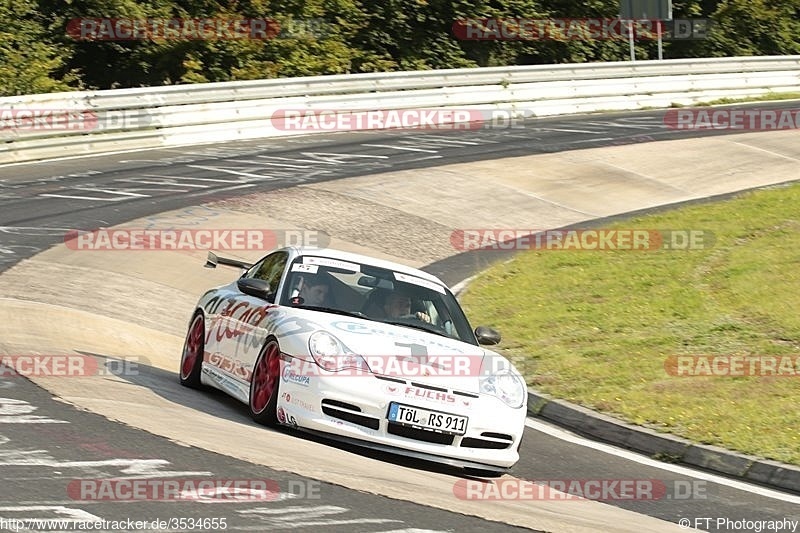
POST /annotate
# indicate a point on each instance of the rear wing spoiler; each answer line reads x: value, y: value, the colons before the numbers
x: 213, y: 260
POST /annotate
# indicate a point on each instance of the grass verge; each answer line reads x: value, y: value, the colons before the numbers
x: 598, y: 327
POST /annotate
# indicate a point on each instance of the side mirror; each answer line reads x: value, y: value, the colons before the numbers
x: 487, y: 335
x: 255, y: 287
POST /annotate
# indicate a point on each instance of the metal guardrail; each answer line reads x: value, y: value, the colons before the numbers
x: 153, y: 117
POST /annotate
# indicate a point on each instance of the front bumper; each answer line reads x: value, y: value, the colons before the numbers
x: 355, y: 409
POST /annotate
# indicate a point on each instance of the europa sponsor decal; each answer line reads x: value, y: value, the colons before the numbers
x: 157, y: 29
x: 290, y: 375
x: 173, y: 489
x: 424, y: 119
x: 73, y: 365
x: 135, y: 239
x: 580, y: 489
x: 732, y: 119
x: 733, y: 365
x: 596, y: 239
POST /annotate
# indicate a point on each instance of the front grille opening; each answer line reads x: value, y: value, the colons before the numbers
x: 341, y: 405
x: 349, y: 413
x: 420, y: 434
x: 501, y: 436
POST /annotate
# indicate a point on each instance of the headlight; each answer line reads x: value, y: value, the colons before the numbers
x: 323, y: 344
x: 332, y: 355
x: 507, y: 386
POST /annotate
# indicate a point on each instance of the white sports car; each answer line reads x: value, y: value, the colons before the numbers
x: 362, y: 350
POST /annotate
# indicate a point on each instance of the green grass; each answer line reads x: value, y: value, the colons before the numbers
x: 596, y: 327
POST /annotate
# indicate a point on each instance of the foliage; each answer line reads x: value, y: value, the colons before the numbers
x: 320, y: 37
x: 28, y: 62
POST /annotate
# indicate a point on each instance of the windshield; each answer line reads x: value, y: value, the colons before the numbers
x: 374, y: 293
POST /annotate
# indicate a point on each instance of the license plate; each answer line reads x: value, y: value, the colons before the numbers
x: 425, y: 419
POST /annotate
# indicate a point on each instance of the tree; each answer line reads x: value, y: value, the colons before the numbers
x: 38, y: 53
x: 30, y: 62
x: 754, y: 27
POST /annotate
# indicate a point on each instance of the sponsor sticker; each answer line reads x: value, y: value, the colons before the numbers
x: 419, y: 281
x: 329, y: 262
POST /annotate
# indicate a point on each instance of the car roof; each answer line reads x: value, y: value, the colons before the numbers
x: 333, y: 253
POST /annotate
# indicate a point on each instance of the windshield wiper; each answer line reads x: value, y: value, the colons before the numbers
x: 420, y: 326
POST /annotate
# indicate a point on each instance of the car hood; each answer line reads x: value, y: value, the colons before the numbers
x: 413, y: 355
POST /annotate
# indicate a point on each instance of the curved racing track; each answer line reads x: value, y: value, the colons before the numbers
x: 367, y: 191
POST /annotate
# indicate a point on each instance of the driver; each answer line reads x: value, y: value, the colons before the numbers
x: 398, y: 305
x: 314, y: 291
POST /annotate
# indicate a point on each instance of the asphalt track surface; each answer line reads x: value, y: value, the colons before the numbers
x: 38, y: 202
x: 41, y: 463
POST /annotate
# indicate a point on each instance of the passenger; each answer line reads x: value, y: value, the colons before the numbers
x: 394, y: 305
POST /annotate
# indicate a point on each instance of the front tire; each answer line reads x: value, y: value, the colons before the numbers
x: 265, y: 385
x: 193, y: 352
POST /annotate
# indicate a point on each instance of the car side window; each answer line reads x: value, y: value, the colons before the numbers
x: 270, y: 269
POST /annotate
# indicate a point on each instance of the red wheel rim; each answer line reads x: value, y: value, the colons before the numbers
x: 265, y: 378
x: 194, y: 345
